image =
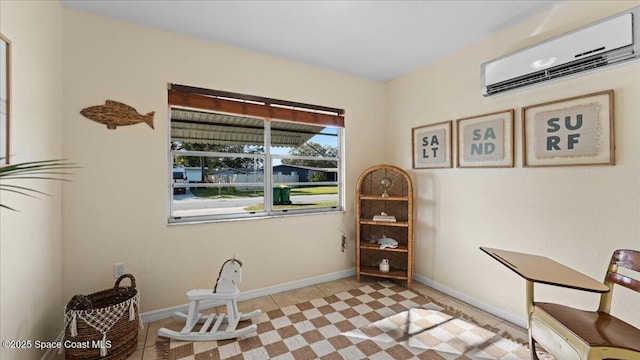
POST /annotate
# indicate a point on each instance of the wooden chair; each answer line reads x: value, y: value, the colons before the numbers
x: 569, y: 333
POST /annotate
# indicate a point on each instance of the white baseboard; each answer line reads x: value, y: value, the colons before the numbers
x: 471, y: 301
x: 160, y: 314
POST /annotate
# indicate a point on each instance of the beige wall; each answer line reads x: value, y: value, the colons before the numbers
x: 116, y: 208
x: 577, y: 215
x: 30, y: 240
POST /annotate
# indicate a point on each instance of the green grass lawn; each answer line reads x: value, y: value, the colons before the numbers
x: 232, y: 192
x: 315, y: 190
x: 260, y: 207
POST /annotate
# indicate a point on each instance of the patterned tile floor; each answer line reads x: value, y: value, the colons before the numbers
x: 147, y: 337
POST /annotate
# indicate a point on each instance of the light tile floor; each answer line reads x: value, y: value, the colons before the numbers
x: 147, y: 337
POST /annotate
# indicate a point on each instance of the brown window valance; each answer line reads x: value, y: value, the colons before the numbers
x: 248, y: 105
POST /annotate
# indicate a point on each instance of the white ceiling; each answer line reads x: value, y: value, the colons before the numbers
x: 378, y: 40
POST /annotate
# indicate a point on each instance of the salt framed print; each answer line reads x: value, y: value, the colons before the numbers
x: 573, y: 131
x: 485, y: 140
x: 5, y: 99
x: 432, y: 146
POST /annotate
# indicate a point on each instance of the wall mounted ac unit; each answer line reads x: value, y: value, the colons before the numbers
x: 610, y: 41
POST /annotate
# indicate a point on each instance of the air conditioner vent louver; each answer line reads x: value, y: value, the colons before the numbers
x: 596, y: 46
x: 549, y: 74
x: 590, y: 52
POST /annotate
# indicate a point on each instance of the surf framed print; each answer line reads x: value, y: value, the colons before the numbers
x: 572, y: 131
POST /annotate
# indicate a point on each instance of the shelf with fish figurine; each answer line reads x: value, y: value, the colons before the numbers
x: 384, y: 229
x: 384, y: 243
x: 375, y: 247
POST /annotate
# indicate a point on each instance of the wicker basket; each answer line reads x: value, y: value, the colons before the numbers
x: 103, y: 325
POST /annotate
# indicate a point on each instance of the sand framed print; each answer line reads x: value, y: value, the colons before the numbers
x: 485, y: 140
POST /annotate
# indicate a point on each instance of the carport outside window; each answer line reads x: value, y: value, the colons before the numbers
x: 243, y: 166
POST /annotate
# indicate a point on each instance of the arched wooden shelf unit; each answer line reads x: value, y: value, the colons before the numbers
x: 397, y: 201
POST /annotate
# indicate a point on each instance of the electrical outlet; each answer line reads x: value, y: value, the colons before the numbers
x: 118, y: 270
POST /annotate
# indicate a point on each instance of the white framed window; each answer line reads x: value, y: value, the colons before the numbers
x: 235, y: 156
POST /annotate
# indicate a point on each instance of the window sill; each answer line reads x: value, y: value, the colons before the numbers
x: 190, y: 221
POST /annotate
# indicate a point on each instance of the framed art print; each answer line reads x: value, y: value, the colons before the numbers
x: 485, y: 140
x: 431, y: 146
x: 572, y: 131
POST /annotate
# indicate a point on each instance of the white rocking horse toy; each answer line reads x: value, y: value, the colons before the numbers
x: 224, y: 292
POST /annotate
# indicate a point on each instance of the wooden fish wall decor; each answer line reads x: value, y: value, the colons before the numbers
x: 114, y: 114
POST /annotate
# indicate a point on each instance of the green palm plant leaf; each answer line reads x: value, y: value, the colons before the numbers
x: 38, y: 170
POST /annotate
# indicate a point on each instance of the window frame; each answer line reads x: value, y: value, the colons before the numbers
x: 330, y: 118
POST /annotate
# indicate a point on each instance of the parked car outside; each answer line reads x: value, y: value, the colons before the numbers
x: 179, y: 178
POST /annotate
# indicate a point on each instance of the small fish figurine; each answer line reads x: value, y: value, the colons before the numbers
x: 114, y: 113
x: 386, y: 242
